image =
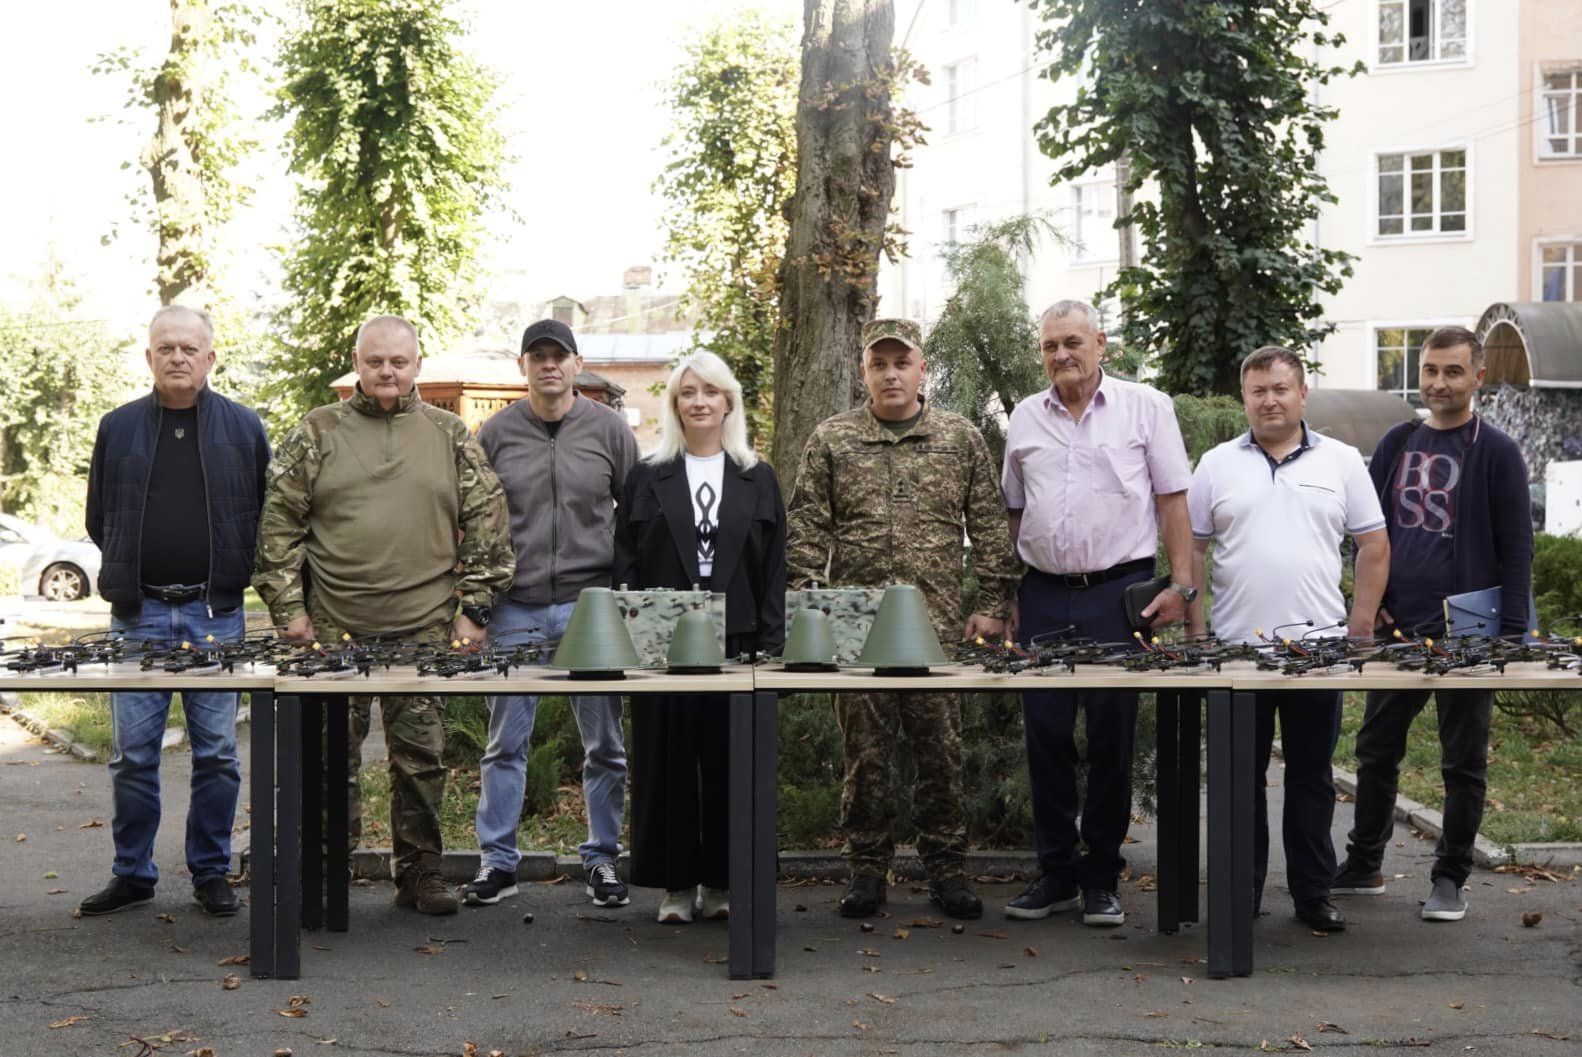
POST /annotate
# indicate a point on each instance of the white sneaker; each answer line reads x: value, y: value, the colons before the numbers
x: 714, y: 904
x: 676, y: 908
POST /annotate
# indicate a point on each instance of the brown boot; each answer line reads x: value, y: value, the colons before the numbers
x: 425, y: 891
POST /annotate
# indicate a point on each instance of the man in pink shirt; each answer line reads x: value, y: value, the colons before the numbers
x: 1095, y: 469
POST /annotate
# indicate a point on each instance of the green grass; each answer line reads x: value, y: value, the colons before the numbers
x: 1535, y: 774
x: 85, y: 717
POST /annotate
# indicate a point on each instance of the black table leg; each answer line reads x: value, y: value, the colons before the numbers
x: 1244, y: 724
x: 1190, y: 786
x: 741, y: 923
x: 766, y: 748
x: 338, y: 877
x: 1167, y: 759
x: 1221, y: 904
x: 288, y: 887
x: 261, y: 837
x: 312, y: 812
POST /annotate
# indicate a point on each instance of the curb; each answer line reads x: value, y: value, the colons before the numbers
x: 58, y: 738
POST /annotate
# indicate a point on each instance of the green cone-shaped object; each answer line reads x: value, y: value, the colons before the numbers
x: 596, y: 644
x: 694, y: 650
x: 810, y: 645
x: 902, y: 639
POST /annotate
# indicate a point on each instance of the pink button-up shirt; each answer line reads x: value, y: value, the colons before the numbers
x: 1086, y: 487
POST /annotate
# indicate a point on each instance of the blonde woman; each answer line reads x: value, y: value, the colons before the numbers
x: 701, y: 509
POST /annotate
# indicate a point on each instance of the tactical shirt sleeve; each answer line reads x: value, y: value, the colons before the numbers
x: 283, y: 525
x: 810, y: 519
x: 989, y: 529
x: 488, y: 562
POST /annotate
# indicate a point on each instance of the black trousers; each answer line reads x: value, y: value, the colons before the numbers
x: 1309, y: 728
x: 1049, y: 719
x: 1464, y: 717
x: 680, y: 775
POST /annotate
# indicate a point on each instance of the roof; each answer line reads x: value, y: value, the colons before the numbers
x: 1359, y: 417
x: 1537, y: 344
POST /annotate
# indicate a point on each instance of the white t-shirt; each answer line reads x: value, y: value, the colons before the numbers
x: 705, y: 479
x: 1277, y: 531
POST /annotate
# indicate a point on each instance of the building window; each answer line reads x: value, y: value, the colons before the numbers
x: 960, y: 82
x: 1093, y: 234
x: 955, y: 224
x: 1422, y: 31
x: 1560, y: 115
x: 963, y: 12
x: 1396, y: 349
x: 1423, y: 193
x: 1561, y: 275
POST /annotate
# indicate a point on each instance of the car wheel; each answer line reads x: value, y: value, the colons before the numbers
x: 63, y: 583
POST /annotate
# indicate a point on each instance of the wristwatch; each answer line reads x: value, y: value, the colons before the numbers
x: 1188, y: 593
x: 479, y: 615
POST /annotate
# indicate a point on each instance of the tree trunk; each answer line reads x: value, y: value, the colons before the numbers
x: 180, y: 203
x: 845, y: 183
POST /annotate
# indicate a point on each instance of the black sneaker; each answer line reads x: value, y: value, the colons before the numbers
x: 956, y: 898
x: 1045, y: 896
x: 1351, y: 881
x: 216, y: 897
x: 119, y: 894
x: 604, y: 887
x: 489, y: 887
x: 864, y: 896
x: 1102, y: 908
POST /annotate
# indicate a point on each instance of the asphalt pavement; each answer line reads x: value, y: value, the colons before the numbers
x: 584, y: 979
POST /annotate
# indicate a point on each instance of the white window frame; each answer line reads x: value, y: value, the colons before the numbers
x: 1374, y: 326
x: 959, y: 217
x: 954, y: 19
x: 1548, y: 242
x: 1405, y: 65
x: 1407, y: 235
x: 1085, y: 248
x: 1541, y: 136
x: 961, y: 111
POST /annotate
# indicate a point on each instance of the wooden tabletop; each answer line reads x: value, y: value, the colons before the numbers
x: 526, y: 680
x: 98, y: 677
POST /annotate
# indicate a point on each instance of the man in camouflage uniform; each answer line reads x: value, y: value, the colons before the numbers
x: 368, y: 499
x: 882, y: 496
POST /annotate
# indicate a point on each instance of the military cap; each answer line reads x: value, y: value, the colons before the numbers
x: 903, y: 330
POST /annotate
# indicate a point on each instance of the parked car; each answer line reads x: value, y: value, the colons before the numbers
x: 57, y: 569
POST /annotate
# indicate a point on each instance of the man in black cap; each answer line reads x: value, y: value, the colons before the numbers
x: 563, y: 460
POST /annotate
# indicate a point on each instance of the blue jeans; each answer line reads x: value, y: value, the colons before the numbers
x: 504, y: 764
x: 137, y: 721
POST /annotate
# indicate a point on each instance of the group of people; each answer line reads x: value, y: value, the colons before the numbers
x: 382, y: 515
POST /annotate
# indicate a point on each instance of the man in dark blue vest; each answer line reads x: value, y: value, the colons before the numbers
x: 173, y: 498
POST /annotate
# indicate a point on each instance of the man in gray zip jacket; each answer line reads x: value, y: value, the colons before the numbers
x: 563, y: 460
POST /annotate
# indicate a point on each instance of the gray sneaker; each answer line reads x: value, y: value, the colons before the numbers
x: 1445, y: 902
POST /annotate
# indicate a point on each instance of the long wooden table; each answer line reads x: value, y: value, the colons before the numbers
x: 289, y: 755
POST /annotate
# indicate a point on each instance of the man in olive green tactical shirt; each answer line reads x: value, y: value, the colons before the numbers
x: 882, y: 496
x: 369, y: 498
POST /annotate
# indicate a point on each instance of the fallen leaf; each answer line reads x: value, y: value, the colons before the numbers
x: 868, y: 952
x: 56, y: 892
x: 581, y: 976
x: 1532, y: 917
x: 1299, y: 1043
x: 1031, y: 952
x: 872, y: 969
x: 877, y: 997
x: 859, y: 1025
x: 994, y: 935
x: 1156, y: 1013
x: 720, y: 959
x: 469, y: 1049
x: 201, y: 1051
x: 429, y: 950
x: 231, y: 982
x: 235, y: 959
x: 1186, y: 979
x: 169, y: 919
x: 93, y: 823
x: 902, y: 934
x: 737, y: 1012
x: 50, y: 875
x: 284, y: 1051
x: 1325, y: 1026
x: 1550, y: 1035
x: 613, y: 1010
x: 1457, y: 1005
x: 769, y: 987
x: 75, y: 1018
x: 926, y: 923
x: 20, y: 837
x: 381, y: 1003
x: 292, y: 1012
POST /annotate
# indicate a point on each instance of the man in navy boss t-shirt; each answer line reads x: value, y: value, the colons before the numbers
x: 1454, y: 491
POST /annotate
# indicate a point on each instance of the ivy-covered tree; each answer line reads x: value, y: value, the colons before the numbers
x: 1212, y: 104
x: 983, y: 352
x: 730, y: 172
x: 394, y: 136
x: 850, y: 138
x: 200, y: 136
x: 58, y: 375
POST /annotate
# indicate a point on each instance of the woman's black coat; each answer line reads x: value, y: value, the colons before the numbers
x: 656, y: 544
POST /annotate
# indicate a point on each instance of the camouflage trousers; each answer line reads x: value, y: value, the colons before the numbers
x: 871, y: 725
x: 414, y: 728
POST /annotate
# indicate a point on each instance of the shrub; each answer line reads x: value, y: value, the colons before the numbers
x: 10, y: 582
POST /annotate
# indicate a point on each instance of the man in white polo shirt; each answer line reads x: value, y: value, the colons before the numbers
x: 1275, y: 504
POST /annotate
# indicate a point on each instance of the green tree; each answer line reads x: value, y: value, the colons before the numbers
x: 1212, y: 103
x: 983, y: 353
x: 394, y: 137
x: 199, y: 139
x: 59, y: 373
x: 730, y: 172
